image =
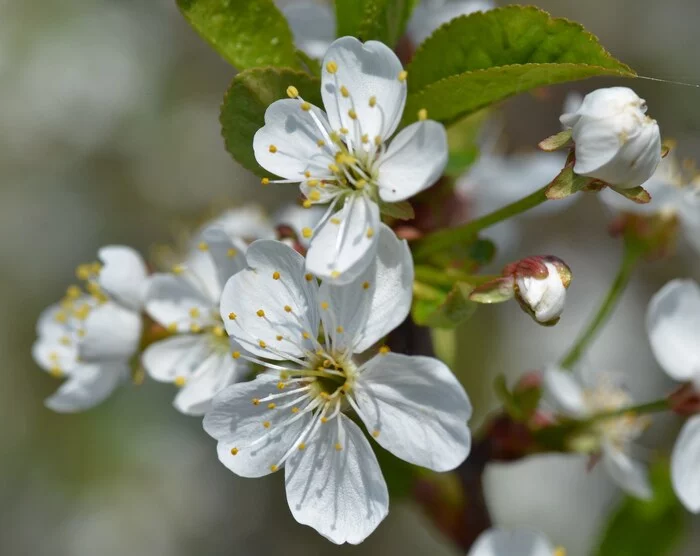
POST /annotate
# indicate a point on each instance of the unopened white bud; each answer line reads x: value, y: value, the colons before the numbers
x: 544, y: 297
x: 615, y: 141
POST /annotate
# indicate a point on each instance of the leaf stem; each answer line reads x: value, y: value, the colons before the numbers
x: 443, y: 239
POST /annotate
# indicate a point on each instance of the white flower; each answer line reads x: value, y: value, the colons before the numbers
x: 294, y: 415
x: 615, y: 141
x: 431, y: 14
x: 612, y: 437
x: 673, y: 325
x: 516, y: 542
x: 341, y: 156
x: 89, y: 338
x: 197, y: 357
x: 301, y: 220
x: 673, y: 194
x: 544, y: 297
x: 313, y: 25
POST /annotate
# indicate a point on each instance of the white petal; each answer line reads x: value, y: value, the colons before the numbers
x: 298, y: 218
x: 292, y: 134
x: 418, y: 407
x: 274, y: 280
x: 690, y: 218
x: 313, y: 26
x: 630, y: 475
x: 565, y: 392
x: 340, y: 493
x: 346, y: 243
x: 227, y: 252
x: 174, y: 300
x: 673, y: 321
x: 377, y: 301
x: 236, y: 422
x: 123, y: 275
x: 249, y: 222
x: 365, y: 70
x: 517, y: 542
x: 685, y: 465
x: 201, y: 271
x: 177, y: 356
x: 52, y: 354
x: 413, y: 162
x: 49, y: 326
x: 88, y: 386
x: 112, y: 333
x: 214, y: 374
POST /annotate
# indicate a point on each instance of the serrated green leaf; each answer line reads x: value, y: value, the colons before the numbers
x: 482, y: 58
x: 382, y: 20
x: 248, y: 96
x: 246, y: 33
x: 646, y: 527
x: 448, y: 312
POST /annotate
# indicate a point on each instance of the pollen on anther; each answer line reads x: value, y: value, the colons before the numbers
x: 422, y: 114
x: 335, y: 220
x: 194, y: 312
x: 272, y: 149
x: 195, y: 328
x: 324, y: 420
x: 255, y: 401
x: 231, y: 253
x: 281, y: 385
x: 338, y: 447
x: 260, y: 313
x: 172, y: 327
x: 375, y: 433
x: 312, y: 183
x: 274, y: 468
x: 232, y: 316
x: 262, y: 344
x: 305, y: 335
x: 218, y: 331
x: 203, y: 246
x: 315, y: 196
x: 302, y: 446
x: 352, y: 114
x: 287, y: 308
x: 344, y: 130
x: 372, y: 101
x: 344, y: 91
x: 335, y: 274
x: 365, y: 285
x: 265, y: 181
x: 331, y: 67
x: 295, y: 409
x: 377, y: 140
x: 324, y: 305
x: 279, y: 337
x: 370, y: 232
x: 307, y: 232
x: 305, y: 106
x: 308, y: 277
x: 234, y: 451
x: 180, y: 381
x: 365, y: 138
x: 292, y: 91
x: 384, y: 350
x: 271, y: 405
x: 275, y: 275
x: 266, y: 424
x: 340, y: 330
x: 236, y: 354
x: 321, y: 143
x: 306, y: 204
x: 403, y: 75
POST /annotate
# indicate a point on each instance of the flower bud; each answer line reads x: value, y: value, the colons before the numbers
x: 615, y: 141
x: 540, y: 287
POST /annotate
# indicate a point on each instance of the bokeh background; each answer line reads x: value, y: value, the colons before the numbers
x: 109, y: 134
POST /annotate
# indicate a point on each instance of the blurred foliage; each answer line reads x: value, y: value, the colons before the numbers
x: 382, y: 20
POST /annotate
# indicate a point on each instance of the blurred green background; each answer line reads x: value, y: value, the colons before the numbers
x: 109, y: 134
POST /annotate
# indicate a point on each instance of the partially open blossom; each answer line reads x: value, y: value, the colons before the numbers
x: 612, y: 438
x: 673, y: 325
x: 615, y: 141
x: 516, y: 542
x: 294, y: 415
x: 90, y: 336
x: 342, y: 157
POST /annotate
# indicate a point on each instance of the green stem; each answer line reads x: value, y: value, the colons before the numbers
x: 448, y: 276
x: 629, y: 260
x: 641, y: 409
x: 440, y: 240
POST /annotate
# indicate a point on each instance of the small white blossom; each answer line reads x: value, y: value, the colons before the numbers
x: 673, y: 325
x: 294, y: 415
x: 197, y: 357
x: 543, y: 297
x: 615, y: 141
x: 341, y: 157
x: 673, y: 194
x: 516, y: 542
x: 90, y: 336
x: 612, y: 437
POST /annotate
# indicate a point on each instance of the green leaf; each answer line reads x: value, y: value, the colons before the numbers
x: 638, y: 194
x: 447, y: 312
x: 249, y: 95
x: 247, y: 33
x: 566, y: 184
x: 482, y: 58
x: 463, y: 141
x: 382, y: 20
x: 556, y: 141
x: 646, y: 527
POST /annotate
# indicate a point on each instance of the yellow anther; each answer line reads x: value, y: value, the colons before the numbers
x: 231, y: 252
x: 95, y: 268
x: 287, y: 308
x: 178, y: 269
x: 326, y: 363
x: 334, y: 168
x: 262, y: 344
x: 377, y: 140
x: 266, y: 424
x: 232, y: 316
x: 81, y: 332
x: 335, y: 220
x: 172, y: 327
x: 272, y: 149
x: 384, y: 350
x: 236, y: 355
x: 302, y: 446
x: 295, y: 409
x: 312, y: 183
x: 321, y: 143
x: 73, y: 292
x: 352, y: 114
x: 82, y: 312
x: 83, y: 272
x: 180, y: 381
x: 324, y: 420
x: 305, y: 106
x: 307, y: 174
x: 344, y: 91
x: 324, y: 305
x: 292, y: 91
x: 255, y: 401
x: 260, y: 313
x: 234, y: 451
x: 340, y: 330
x: 370, y: 232
x: 365, y: 138
x: 559, y: 551
x: 195, y: 328
x: 344, y: 130
x: 315, y: 196
x: 403, y: 75
x: 194, y: 312
x: 372, y: 101
x: 305, y: 335
x: 93, y: 288
x: 56, y: 371
x: 65, y: 340
x: 265, y: 181
x: 203, y: 246
x: 284, y: 375
x: 275, y: 275
x: 271, y: 405
x: 334, y: 137
x: 274, y: 468
x: 365, y: 285
x: 53, y: 356
x: 279, y: 337
x: 308, y: 277
x: 422, y: 114
x: 281, y: 385
x: 325, y: 395
x: 375, y: 433
x: 338, y: 447
x: 335, y: 274
x: 331, y: 67
x: 306, y: 204
x: 219, y: 331
x: 307, y: 232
